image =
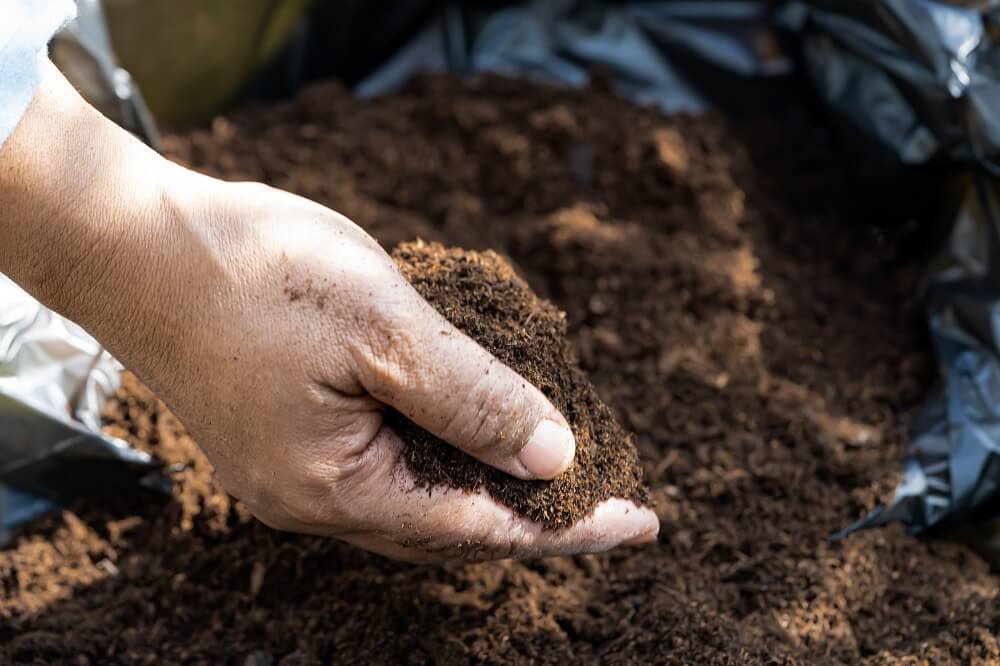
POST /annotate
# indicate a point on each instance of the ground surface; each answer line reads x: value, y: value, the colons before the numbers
x: 765, y: 367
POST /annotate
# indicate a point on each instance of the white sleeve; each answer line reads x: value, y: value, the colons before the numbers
x: 26, y: 26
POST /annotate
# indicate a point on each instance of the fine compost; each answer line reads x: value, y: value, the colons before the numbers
x: 720, y: 296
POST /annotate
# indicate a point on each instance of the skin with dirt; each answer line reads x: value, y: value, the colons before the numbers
x: 724, y: 306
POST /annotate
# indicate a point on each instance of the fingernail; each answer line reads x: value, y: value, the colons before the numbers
x: 641, y: 540
x: 549, y: 451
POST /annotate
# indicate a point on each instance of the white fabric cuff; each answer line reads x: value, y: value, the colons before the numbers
x: 26, y: 26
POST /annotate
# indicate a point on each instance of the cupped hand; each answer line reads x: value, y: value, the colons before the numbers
x: 288, y: 333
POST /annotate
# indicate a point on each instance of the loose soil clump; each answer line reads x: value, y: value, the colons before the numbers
x: 485, y: 299
x: 724, y: 305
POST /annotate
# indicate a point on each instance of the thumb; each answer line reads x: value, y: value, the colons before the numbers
x: 447, y: 384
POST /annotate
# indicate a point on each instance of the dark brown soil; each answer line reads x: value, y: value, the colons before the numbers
x: 485, y: 299
x: 722, y: 303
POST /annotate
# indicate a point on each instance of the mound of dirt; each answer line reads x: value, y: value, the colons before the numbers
x: 723, y: 303
x: 485, y: 299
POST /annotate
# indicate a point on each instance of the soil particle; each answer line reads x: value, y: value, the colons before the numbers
x: 485, y: 299
x: 308, y: 291
x: 724, y: 306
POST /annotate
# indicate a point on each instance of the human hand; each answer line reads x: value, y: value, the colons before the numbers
x: 278, y: 331
x: 290, y: 331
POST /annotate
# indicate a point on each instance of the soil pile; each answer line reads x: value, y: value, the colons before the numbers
x: 724, y: 306
x: 485, y: 299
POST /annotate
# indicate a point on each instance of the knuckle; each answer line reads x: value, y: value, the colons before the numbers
x: 480, y: 548
x: 385, y: 351
x: 473, y: 542
x: 511, y: 541
x: 303, y: 509
x: 309, y: 498
x: 482, y: 420
x: 472, y: 420
x: 500, y: 547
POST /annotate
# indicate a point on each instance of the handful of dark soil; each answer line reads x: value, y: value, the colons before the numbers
x: 483, y: 297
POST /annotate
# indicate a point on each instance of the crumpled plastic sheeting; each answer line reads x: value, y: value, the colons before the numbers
x: 560, y: 41
x: 951, y: 477
x: 51, y: 363
x: 54, y: 381
x: 921, y: 79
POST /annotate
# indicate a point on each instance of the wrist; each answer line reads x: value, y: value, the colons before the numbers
x: 105, y: 249
x: 76, y: 192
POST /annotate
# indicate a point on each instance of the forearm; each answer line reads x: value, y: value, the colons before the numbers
x: 95, y: 224
x: 76, y: 194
